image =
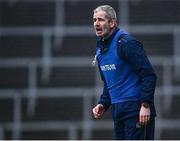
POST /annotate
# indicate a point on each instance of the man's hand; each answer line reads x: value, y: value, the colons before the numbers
x: 144, y: 115
x: 98, y: 111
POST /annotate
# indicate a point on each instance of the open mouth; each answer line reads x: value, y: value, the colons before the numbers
x: 98, y: 30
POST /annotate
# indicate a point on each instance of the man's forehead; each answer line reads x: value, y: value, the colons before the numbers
x: 100, y: 13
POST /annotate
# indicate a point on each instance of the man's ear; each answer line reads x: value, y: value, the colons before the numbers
x: 112, y: 23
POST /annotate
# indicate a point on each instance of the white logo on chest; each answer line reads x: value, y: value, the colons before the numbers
x: 108, y: 67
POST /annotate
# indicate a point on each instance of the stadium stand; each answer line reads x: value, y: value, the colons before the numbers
x: 47, y: 83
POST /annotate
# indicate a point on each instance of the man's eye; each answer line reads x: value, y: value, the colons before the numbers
x: 101, y: 19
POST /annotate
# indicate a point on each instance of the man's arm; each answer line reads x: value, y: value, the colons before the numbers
x: 105, y: 99
x: 132, y: 51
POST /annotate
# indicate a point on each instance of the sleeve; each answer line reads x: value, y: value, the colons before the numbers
x: 105, y: 99
x: 134, y: 54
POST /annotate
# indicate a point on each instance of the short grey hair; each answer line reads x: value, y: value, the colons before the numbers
x: 109, y: 11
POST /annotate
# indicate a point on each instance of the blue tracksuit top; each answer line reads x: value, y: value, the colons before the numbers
x: 125, y: 69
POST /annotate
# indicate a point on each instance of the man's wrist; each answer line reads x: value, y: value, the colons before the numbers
x: 145, y: 104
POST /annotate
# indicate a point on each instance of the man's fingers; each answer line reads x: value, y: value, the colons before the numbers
x: 144, y: 119
x: 95, y: 112
x: 98, y: 111
x: 96, y: 115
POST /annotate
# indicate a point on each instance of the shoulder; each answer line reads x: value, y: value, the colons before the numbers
x: 129, y: 42
x: 128, y: 39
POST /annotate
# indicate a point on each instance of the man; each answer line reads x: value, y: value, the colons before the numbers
x: 129, y: 79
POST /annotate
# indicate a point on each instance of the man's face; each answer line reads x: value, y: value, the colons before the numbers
x: 102, y: 24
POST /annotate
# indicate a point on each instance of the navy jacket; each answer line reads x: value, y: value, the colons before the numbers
x: 131, y: 51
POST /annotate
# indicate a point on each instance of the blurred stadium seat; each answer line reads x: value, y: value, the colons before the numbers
x: 47, y: 83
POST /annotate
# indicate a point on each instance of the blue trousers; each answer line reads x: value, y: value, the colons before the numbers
x: 126, y: 122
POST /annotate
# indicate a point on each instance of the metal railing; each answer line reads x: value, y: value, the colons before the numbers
x: 32, y: 93
x: 58, y: 31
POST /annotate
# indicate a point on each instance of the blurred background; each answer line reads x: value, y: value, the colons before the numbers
x: 47, y: 84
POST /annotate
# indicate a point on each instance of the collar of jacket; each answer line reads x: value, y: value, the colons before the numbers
x: 105, y: 42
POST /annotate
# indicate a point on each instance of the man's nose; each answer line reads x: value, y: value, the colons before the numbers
x: 96, y: 23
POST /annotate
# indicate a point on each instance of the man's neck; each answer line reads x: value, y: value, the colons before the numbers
x: 112, y: 31
x: 109, y: 39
